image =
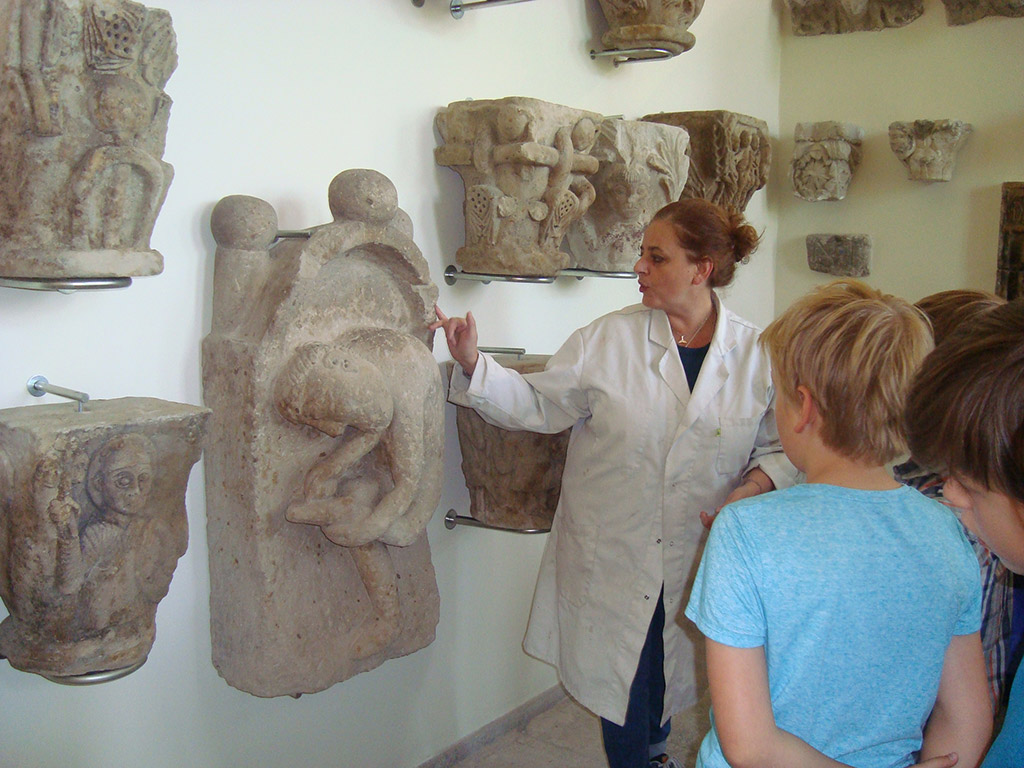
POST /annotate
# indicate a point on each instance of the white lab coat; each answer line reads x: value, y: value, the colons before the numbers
x: 645, y: 457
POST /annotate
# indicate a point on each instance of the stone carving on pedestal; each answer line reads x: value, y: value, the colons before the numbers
x: 1010, y: 266
x: 824, y: 159
x: 514, y: 478
x: 92, y: 523
x: 832, y: 17
x: 650, y: 23
x: 325, y: 458
x: 525, y: 165
x: 840, y: 255
x: 729, y: 155
x: 968, y: 11
x: 928, y: 147
x: 85, y: 122
x: 643, y: 166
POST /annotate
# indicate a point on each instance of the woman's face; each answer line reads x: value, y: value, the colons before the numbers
x: 668, y: 279
x: 995, y: 518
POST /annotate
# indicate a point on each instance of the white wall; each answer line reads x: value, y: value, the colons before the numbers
x: 273, y: 99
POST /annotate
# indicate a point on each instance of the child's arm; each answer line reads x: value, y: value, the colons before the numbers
x: 962, y: 717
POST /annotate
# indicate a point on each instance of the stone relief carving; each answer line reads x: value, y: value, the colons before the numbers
x: 92, y: 524
x: 729, y: 155
x: 968, y: 11
x: 326, y: 444
x: 85, y: 122
x: 840, y: 255
x: 1010, y: 266
x: 525, y: 165
x: 824, y: 159
x: 646, y: 23
x: 928, y: 147
x: 643, y: 166
x: 833, y: 17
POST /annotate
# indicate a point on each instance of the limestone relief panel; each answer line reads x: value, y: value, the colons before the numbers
x: 92, y: 523
x: 730, y: 155
x: 968, y: 11
x: 525, y: 166
x: 833, y: 17
x: 1010, y: 266
x: 643, y: 166
x: 825, y: 157
x: 646, y: 23
x: 326, y: 444
x: 928, y: 148
x: 840, y: 255
x: 84, y: 126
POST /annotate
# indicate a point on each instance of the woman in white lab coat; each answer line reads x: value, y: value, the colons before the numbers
x: 671, y: 408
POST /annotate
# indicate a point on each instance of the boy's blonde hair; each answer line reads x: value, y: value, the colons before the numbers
x: 856, y: 350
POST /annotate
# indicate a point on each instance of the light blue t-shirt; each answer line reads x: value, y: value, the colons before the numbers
x: 855, y: 596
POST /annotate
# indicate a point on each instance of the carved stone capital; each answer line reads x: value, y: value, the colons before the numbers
x: 825, y: 157
x: 840, y: 255
x: 968, y: 11
x: 1010, y: 266
x: 833, y: 17
x: 645, y: 23
x: 928, y: 148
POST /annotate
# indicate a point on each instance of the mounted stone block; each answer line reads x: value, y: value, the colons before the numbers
x: 92, y: 523
x: 968, y: 11
x: 729, y: 155
x: 643, y: 166
x: 834, y: 17
x: 653, y: 23
x: 840, y: 255
x: 928, y: 147
x: 85, y: 122
x: 325, y: 458
x: 525, y: 165
x: 1010, y: 266
x: 824, y: 159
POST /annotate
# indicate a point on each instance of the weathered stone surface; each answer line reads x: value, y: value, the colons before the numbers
x: 92, y: 523
x: 84, y: 126
x: 525, y: 165
x: 1010, y: 266
x: 729, y: 155
x: 643, y: 166
x: 514, y: 478
x: 967, y: 11
x: 824, y: 159
x: 833, y: 17
x: 324, y: 463
x: 840, y: 255
x: 646, y: 23
x: 928, y: 147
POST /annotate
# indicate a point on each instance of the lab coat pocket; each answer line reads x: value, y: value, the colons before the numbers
x: 736, y: 437
x: 574, y: 559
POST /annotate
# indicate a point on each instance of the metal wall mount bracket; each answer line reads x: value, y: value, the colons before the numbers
x: 452, y: 274
x: 453, y: 519
x: 624, y: 55
x: 38, y: 386
x: 64, y: 284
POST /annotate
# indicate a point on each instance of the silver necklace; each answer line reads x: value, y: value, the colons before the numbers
x: 682, y: 338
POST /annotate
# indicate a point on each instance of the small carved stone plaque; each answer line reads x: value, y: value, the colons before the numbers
x: 525, y: 165
x: 729, y: 155
x: 824, y: 159
x: 1010, y: 267
x: 92, y: 523
x: 643, y: 166
x: 968, y: 11
x: 833, y: 17
x: 85, y: 121
x: 928, y: 147
x: 646, y: 23
x: 840, y: 255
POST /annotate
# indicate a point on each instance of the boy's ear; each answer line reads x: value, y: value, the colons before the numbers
x: 807, y: 410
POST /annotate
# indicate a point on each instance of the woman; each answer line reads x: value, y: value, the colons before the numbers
x: 671, y: 408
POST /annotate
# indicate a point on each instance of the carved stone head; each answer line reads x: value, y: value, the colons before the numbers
x: 928, y: 147
x: 121, y: 475
x: 824, y: 159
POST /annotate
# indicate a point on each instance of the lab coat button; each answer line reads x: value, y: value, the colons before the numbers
x: 658, y: 541
x: 647, y: 597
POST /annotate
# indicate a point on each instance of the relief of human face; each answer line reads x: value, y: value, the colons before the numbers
x: 994, y: 517
x: 666, y: 275
x: 127, y: 481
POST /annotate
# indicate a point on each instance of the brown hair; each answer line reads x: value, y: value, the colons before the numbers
x: 947, y: 309
x: 710, y: 232
x: 965, y: 413
x: 856, y: 350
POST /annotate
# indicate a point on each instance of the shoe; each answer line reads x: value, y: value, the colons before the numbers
x: 664, y: 761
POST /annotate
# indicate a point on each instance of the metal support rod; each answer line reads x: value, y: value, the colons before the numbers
x: 38, y: 386
x: 453, y: 275
x: 520, y: 351
x: 453, y: 519
x: 293, y: 233
x: 95, y: 678
x: 624, y: 55
x: 64, y: 284
x: 458, y: 8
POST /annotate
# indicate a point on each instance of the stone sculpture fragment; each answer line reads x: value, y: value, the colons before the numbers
x: 643, y: 166
x: 650, y: 23
x: 833, y: 17
x: 85, y: 122
x: 825, y: 157
x: 1010, y: 266
x: 92, y: 523
x: 326, y: 444
x: 525, y: 165
x: 928, y: 148
x: 960, y: 12
x: 840, y: 255
x: 729, y: 155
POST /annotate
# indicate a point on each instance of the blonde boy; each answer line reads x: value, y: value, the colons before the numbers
x: 838, y: 613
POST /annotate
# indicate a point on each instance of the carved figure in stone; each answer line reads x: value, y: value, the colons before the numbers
x: 643, y: 166
x: 840, y: 255
x: 525, y: 165
x: 833, y: 17
x: 84, y: 130
x: 730, y: 155
x: 928, y: 148
x: 646, y: 23
x: 1010, y: 265
x: 824, y: 159
x: 968, y: 11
